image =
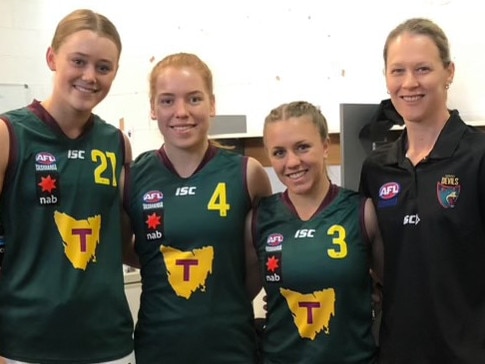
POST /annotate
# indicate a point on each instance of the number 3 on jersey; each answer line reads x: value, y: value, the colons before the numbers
x: 338, y: 239
x: 218, y: 200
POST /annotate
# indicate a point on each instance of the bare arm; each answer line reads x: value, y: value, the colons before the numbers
x: 377, y: 264
x: 254, y: 281
x: 257, y: 180
x: 372, y: 227
x: 129, y: 255
x: 258, y: 186
x: 4, y: 151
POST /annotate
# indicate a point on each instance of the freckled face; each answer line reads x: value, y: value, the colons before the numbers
x: 183, y: 107
x: 297, y: 153
x: 416, y: 77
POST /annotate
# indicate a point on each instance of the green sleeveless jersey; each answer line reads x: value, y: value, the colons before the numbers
x: 61, y: 288
x: 190, y: 241
x: 316, y: 276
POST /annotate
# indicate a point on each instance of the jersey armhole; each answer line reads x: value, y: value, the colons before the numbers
x: 12, y: 154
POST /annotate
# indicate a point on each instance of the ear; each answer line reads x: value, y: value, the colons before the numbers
x: 326, y: 148
x: 153, y: 114
x: 51, y: 59
x: 451, y: 73
x: 213, y: 106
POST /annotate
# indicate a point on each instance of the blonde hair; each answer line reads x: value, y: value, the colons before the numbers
x: 297, y: 109
x: 85, y: 19
x: 421, y: 26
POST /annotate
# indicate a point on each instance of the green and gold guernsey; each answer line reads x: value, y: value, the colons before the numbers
x: 61, y: 288
x: 190, y: 241
x: 316, y: 276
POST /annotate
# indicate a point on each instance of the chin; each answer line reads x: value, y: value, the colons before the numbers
x: 298, y: 190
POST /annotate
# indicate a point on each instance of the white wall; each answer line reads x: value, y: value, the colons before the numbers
x: 262, y: 53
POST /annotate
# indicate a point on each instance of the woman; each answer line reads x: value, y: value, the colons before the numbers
x: 188, y: 206
x: 428, y: 190
x: 61, y: 169
x: 314, y: 242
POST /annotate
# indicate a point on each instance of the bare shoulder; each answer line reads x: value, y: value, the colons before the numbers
x: 4, y: 150
x: 370, y: 218
x: 128, y: 150
x: 257, y: 180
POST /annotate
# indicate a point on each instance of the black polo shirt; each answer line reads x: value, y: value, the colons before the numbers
x: 433, y: 224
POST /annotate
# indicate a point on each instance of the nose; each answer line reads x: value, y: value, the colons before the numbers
x: 89, y: 74
x: 180, y: 109
x: 410, y: 80
x: 292, y: 160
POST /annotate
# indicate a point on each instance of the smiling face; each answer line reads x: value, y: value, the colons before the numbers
x: 417, y: 79
x: 183, y: 107
x: 297, y: 153
x: 85, y: 66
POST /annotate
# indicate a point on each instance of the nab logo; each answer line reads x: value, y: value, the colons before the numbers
x: 153, y: 196
x: 274, y: 239
x: 274, y: 277
x: 45, y: 158
x: 389, y: 190
x: 75, y: 154
x: 185, y: 191
x: 305, y: 233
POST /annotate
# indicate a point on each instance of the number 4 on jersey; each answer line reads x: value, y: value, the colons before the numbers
x: 218, y: 201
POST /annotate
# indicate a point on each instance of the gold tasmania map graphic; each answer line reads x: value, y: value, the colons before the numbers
x: 80, y: 238
x: 187, y: 271
x: 311, y: 312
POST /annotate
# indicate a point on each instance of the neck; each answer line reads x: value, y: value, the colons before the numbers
x: 70, y: 121
x: 186, y: 160
x: 308, y: 203
x: 422, y: 137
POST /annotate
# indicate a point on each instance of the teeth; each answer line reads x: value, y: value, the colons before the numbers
x: 411, y: 98
x: 295, y: 175
x: 182, y: 127
x: 85, y: 89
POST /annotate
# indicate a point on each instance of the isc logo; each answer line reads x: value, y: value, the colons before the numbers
x: 411, y: 220
x: 75, y: 154
x: 305, y: 233
x: 389, y: 190
x: 184, y: 191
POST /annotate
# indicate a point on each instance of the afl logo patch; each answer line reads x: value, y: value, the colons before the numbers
x: 45, y: 161
x: 389, y: 190
x: 274, y: 241
x: 45, y: 158
x: 152, y: 200
x: 153, y: 197
x: 388, y: 194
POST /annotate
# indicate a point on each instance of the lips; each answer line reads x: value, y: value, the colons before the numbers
x: 412, y: 98
x: 296, y: 175
x: 86, y: 89
x: 182, y: 127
